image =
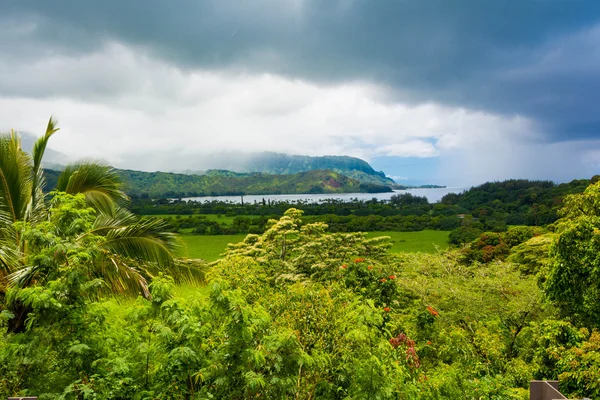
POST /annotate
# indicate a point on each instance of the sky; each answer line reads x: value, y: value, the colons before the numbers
x: 429, y: 91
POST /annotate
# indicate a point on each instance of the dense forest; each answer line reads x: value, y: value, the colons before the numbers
x: 94, y: 304
x: 223, y: 183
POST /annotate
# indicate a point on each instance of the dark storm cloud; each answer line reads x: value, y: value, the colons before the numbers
x: 535, y: 58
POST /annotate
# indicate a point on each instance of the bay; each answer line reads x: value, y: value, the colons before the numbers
x: 433, y: 195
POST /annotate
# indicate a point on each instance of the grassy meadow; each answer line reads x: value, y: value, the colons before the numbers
x: 427, y: 241
x: 221, y: 218
x: 207, y: 247
x: 210, y: 247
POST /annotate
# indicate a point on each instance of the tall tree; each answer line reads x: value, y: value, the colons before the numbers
x: 574, y: 278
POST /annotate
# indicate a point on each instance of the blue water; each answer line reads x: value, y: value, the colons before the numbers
x: 432, y: 195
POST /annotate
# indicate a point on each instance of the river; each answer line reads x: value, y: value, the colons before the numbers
x: 433, y: 195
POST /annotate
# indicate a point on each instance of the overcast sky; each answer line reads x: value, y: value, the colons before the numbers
x: 430, y: 91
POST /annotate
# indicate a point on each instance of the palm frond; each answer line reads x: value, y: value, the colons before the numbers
x: 185, y: 271
x: 99, y: 183
x: 38, y: 181
x: 120, y: 276
x: 15, y: 178
x: 24, y: 276
x: 9, y: 259
x: 116, y: 218
x: 145, y: 240
x: 5, y: 216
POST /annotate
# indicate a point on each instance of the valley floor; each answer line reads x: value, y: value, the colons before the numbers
x: 210, y: 247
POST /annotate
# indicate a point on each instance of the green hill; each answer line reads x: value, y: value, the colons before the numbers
x: 220, y: 183
x: 283, y: 164
x: 517, y: 201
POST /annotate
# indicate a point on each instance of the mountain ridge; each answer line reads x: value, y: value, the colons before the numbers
x: 284, y: 164
x: 169, y: 184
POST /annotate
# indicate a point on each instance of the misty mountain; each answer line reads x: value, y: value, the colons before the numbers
x: 283, y: 164
x: 52, y: 159
x: 221, y: 183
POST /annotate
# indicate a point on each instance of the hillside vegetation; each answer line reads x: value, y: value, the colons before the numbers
x: 281, y: 164
x: 517, y: 201
x: 219, y: 183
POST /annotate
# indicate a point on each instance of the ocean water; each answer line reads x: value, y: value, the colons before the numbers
x: 433, y: 195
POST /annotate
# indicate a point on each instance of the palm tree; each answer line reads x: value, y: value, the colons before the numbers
x: 131, y: 250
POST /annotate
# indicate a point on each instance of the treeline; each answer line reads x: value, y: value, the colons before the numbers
x: 202, y: 225
x: 489, y: 207
x: 403, y: 212
x: 517, y: 201
x: 494, y: 206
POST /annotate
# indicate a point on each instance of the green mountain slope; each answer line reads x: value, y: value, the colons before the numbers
x: 282, y: 164
x: 219, y: 183
x: 517, y: 201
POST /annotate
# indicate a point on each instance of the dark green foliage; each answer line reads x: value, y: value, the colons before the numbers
x: 407, y: 199
x: 516, y: 201
x: 519, y: 234
x: 404, y: 212
x: 464, y: 234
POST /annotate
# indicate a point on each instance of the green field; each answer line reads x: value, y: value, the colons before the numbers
x: 220, y: 218
x: 427, y: 241
x: 209, y: 248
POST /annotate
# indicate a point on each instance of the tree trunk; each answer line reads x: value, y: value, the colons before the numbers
x: 17, y: 323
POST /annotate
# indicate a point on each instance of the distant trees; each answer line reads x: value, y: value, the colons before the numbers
x: 408, y: 199
x: 515, y: 201
x: 491, y: 207
x: 463, y: 235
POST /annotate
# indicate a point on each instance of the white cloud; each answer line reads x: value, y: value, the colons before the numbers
x: 123, y: 106
x: 559, y: 162
x: 410, y: 148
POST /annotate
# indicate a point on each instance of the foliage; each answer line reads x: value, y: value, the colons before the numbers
x: 298, y: 312
x: 532, y: 256
x: 38, y: 237
x: 292, y: 249
x: 516, y: 201
x: 491, y: 207
x: 463, y: 235
x: 294, y: 312
x: 491, y: 246
x: 574, y: 274
x: 407, y: 199
x: 206, y: 224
